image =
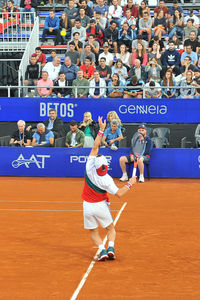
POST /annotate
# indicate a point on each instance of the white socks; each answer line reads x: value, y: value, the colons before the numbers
x: 101, y: 247
x: 111, y: 244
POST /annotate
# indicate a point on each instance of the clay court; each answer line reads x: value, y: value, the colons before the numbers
x: 45, y: 251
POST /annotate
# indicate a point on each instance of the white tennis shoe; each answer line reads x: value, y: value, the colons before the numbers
x: 141, y: 179
x: 124, y: 177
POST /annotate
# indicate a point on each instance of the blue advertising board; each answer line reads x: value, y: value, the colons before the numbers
x: 63, y: 162
x: 129, y: 110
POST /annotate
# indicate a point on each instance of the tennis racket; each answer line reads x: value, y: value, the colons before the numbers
x: 138, y: 146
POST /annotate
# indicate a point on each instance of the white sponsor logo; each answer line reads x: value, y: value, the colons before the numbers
x: 199, y: 161
x: 82, y: 159
x: 63, y: 109
x: 143, y: 109
x: 38, y: 160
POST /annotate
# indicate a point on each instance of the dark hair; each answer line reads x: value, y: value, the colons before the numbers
x: 191, y: 20
x: 61, y: 72
x: 72, y: 43
x: 113, y: 21
x: 118, y: 81
x: 77, y: 20
x: 152, y: 84
x: 73, y: 122
x: 91, y: 35
x: 174, y: 17
x: 89, y: 58
x: 38, y: 48
x: 53, y: 50
x: 103, y: 58
x: 134, y: 80
x: 165, y: 79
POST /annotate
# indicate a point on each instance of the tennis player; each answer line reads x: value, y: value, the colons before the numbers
x: 95, y: 199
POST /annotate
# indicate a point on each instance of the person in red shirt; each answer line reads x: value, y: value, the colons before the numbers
x: 40, y: 56
x: 161, y: 7
x: 132, y: 7
x: 88, y: 69
x: 96, y: 31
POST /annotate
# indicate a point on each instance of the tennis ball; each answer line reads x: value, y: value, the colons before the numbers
x: 63, y: 33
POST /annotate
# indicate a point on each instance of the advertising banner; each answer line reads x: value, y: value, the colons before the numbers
x: 129, y: 110
x: 62, y: 162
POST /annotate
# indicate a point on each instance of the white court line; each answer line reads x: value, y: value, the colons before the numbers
x: 40, y: 210
x: 83, y: 280
x: 43, y: 201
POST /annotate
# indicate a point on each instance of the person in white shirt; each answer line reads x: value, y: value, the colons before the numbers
x: 97, y: 87
x: 53, y: 68
x: 115, y: 13
x: 108, y: 56
x: 192, y: 16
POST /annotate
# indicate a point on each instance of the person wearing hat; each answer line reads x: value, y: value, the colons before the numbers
x: 107, y: 55
x: 75, y: 137
x: 145, y: 157
x: 95, y: 199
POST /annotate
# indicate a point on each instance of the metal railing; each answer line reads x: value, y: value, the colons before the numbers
x: 33, y: 89
x: 30, y: 48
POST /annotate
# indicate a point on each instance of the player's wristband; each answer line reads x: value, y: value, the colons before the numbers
x: 128, y: 185
x: 100, y: 133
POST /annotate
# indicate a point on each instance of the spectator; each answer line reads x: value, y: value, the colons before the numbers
x: 69, y: 69
x: 94, y: 45
x: 196, y: 82
x: 28, y: 6
x: 97, y: 87
x: 155, y: 53
x: 121, y: 70
x: 192, y: 16
x: 71, y: 11
x: 100, y: 21
x: 139, y: 40
x: 124, y: 55
x: 171, y: 59
x: 138, y: 70
x: 82, y: 86
x: 177, y: 44
x: 144, y: 158
x: 32, y: 72
x: 61, y: 90
x: 168, y: 82
x: 77, y: 42
x: 75, y: 137
x: 20, y: 137
x: 115, y: 13
x: 87, y: 52
x: 112, y: 135
x: 140, y: 54
x: 186, y: 90
x: 53, y: 68
x: 175, y: 7
x: 192, y: 41
x: 88, y: 10
x: 153, y: 70
x: 132, y: 7
x: 102, y: 8
x: 143, y: 9
x: 133, y: 88
x: 55, y: 124
x: 186, y: 66
x: 152, y: 90
x: 107, y: 55
x: 88, y: 69
x: 154, y: 40
x: 80, y: 29
x: 190, y: 27
x: 197, y: 136
x: 111, y: 115
x: 145, y: 25
x: 111, y: 35
x: 53, y: 55
x: 128, y: 18
x: 45, y: 86
x: 42, y: 137
x: 176, y: 24
x: 85, y: 20
x: 126, y: 35
x: 94, y: 30
x: 162, y: 7
x: 40, y: 56
x: 189, y: 53
x: 73, y: 54
x: 90, y: 129
x: 115, y: 87
x: 64, y: 27
x: 160, y: 24
x: 51, y: 26
x: 104, y: 71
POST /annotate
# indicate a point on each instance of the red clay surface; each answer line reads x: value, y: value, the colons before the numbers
x: 44, y: 250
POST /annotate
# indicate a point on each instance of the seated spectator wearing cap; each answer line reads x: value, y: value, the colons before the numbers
x: 133, y: 88
x: 45, y: 86
x: 42, y: 137
x: 75, y: 137
x: 107, y: 55
x: 88, y: 69
x: 112, y: 135
x: 111, y: 36
x: 61, y: 90
x: 80, y: 29
x: 104, y: 71
x: 51, y: 26
x: 152, y: 90
x: 53, y: 68
x: 55, y: 124
x: 20, y: 137
x: 95, y: 31
x: 82, y: 85
x: 144, y: 158
x: 97, y: 87
x: 73, y: 54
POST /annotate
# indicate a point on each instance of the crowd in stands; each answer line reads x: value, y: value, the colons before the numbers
x: 119, y: 47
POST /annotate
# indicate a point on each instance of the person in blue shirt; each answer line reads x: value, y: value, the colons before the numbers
x: 51, y: 27
x: 112, y: 135
x: 43, y: 137
x: 70, y: 71
x: 171, y: 59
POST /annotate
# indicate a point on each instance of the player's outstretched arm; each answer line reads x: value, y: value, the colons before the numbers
x: 123, y: 190
x: 97, y: 142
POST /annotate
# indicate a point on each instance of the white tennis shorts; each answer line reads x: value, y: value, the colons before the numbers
x: 95, y: 213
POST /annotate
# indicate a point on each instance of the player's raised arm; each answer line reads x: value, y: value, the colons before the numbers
x: 97, y: 142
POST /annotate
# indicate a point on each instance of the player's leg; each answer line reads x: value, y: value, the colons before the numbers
x: 141, y: 169
x: 111, y: 235
x: 122, y: 161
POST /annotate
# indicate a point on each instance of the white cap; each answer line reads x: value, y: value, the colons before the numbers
x: 101, y: 165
